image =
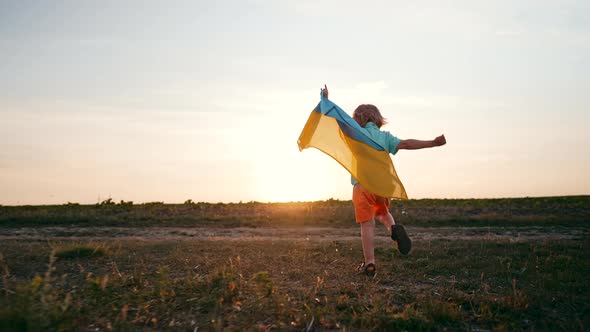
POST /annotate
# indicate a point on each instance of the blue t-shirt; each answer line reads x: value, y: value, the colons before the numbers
x: 384, y: 138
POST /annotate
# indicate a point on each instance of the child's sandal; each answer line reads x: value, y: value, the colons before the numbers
x: 399, y: 235
x: 368, y: 269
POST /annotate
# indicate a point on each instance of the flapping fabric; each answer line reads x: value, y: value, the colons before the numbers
x: 332, y: 131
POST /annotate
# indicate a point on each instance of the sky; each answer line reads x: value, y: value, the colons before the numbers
x: 173, y: 100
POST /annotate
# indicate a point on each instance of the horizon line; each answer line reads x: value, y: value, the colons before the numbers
x: 190, y: 201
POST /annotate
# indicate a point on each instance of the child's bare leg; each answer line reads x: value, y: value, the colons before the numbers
x: 368, y: 239
x: 387, y: 221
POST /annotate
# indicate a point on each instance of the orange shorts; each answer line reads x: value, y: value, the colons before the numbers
x: 367, y: 205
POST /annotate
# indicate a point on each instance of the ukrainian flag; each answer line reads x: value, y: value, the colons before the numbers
x: 332, y: 131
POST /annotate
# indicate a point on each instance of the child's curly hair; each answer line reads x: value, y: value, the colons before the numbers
x: 367, y: 112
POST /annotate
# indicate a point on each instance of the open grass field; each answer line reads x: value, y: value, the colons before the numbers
x: 479, y: 265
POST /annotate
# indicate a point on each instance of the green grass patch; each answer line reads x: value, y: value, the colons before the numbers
x: 80, y: 250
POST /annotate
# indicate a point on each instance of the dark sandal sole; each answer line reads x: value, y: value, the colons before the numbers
x: 399, y: 235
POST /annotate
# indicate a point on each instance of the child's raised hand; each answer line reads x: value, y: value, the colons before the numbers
x: 325, y: 92
x: 440, y: 140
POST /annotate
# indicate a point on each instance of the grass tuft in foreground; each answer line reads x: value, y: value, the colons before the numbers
x: 79, y: 250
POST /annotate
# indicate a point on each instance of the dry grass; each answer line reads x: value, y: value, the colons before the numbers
x: 295, y: 281
x: 269, y: 284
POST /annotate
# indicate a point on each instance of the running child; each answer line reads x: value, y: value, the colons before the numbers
x: 368, y: 206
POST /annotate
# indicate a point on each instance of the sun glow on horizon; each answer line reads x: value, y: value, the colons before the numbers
x: 139, y: 106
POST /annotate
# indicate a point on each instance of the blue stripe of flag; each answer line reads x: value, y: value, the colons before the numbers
x: 347, y: 124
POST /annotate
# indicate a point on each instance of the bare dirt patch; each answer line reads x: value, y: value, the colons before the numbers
x: 513, y: 234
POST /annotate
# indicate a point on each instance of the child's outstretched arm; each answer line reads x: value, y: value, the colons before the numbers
x: 414, y: 144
